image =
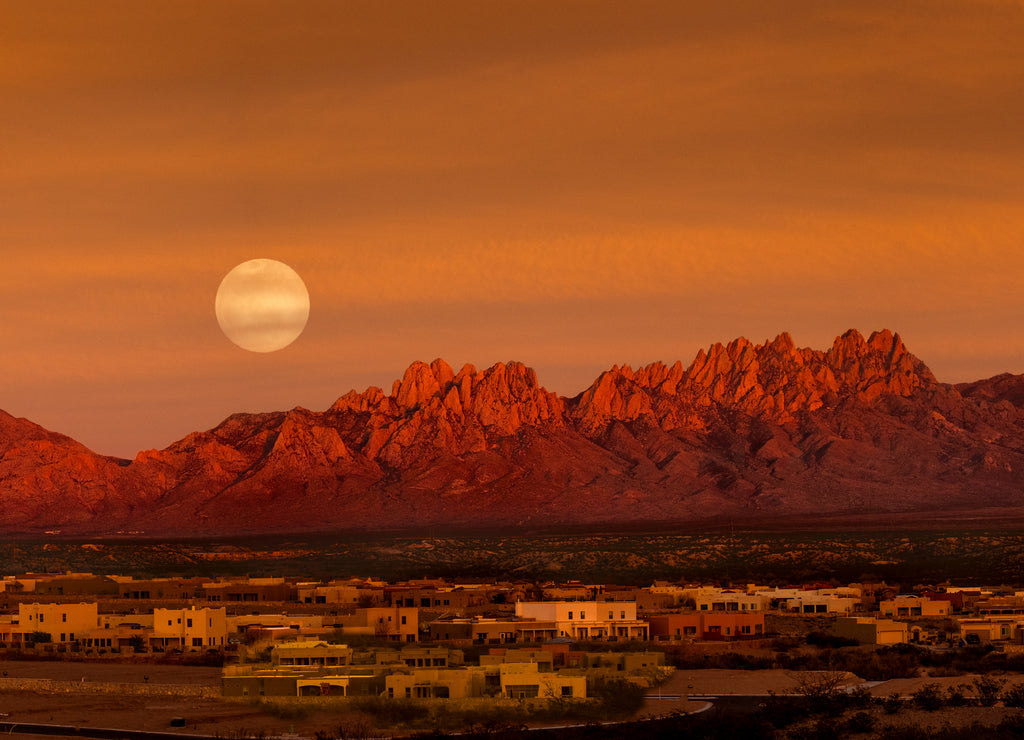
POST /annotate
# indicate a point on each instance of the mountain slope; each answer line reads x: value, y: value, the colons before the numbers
x: 744, y: 433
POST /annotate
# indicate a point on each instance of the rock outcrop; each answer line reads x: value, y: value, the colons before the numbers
x: 746, y: 433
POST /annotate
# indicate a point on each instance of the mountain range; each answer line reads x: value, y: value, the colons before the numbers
x: 747, y: 433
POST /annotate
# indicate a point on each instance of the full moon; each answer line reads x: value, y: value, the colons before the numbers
x: 262, y: 305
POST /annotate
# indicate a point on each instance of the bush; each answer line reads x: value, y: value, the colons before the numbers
x: 823, y: 729
x: 860, y: 697
x: 284, y: 710
x: 824, y: 639
x: 987, y: 689
x: 617, y: 696
x: 892, y: 704
x: 860, y: 722
x: 955, y: 696
x: 782, y: 711
x: 1012, y: 726
x: 391, y: 711
x: 1014, y: 696
x: 929, y: 697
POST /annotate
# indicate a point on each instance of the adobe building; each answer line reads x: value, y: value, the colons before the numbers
x: 75, y: 584
x: 63, y: 622
x: 190, y: 629
x: 871, y: 631
x: 710, y: 625
x: 914, y: 606
x: 310, y: 653
x: 250, y: 590
x: 579, y: 620
x: 395, y: 623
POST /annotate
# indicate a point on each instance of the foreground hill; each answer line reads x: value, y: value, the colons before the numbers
x: 747, y: 433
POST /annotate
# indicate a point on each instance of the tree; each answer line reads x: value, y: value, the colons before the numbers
x: 34, y: 638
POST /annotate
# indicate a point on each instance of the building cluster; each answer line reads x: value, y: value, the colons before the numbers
x: 63, y: 611
x: 317, y: 668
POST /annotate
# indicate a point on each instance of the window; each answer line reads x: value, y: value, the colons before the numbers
x: 611, y: 615
x: 403, y: 620
x: 567, y: 691
x: 622, y: 614
x: 64, y: 617
x: 583, y: 615
x: 188, y: 622
x: 570, y: 615
x: 197, y: 642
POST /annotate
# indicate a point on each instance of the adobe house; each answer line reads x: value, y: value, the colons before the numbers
x: 309, y: 653
x: 716, y: 625
x: 63, y: 622
x: 871, y: 631
x: 190, y: 629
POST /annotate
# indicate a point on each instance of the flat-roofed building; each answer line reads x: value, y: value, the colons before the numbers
x: 400, y: 624
x: 63, y: 622
x: 870, y: 630
x: 309, y: 653
x: 190, y: 629
x: 914, y: 606
x: 716, y: 625
x: 580, y: 620
x: 526, y: 681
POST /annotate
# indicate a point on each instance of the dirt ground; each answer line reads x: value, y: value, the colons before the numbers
x: 154, y: 713
x: 229, y: 719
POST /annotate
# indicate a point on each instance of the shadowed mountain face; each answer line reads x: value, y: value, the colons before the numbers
x: 746, y: 433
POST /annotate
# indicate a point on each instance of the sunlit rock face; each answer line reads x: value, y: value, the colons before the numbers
x: 262, y: 305
x: 746, y: 432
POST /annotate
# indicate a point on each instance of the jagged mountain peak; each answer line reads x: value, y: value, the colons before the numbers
x: 744, y: 430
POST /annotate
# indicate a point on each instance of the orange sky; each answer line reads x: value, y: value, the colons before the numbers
x: 569, y: 184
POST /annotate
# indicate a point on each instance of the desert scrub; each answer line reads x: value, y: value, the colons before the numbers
x: 929, y: 697
x: 283, y: 709
x: 392, y: 712
x: 987, y: 690
x: 1014, y: 696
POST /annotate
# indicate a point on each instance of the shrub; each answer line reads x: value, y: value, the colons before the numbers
x: 987, y: 689
x: 955, y: 696
x: 892, y: 704
x: 284, y: 710
x: 860, y: 697
x: 860, y: 722
x: 390, y: 711
x: 356, y: 729
x: 824, y: 639
x: 929, y: 697
x: 1012, y: 726
x: 617, y: 696
x: 1014, y: 696
x: 782, y: 711
x: 823, y: 729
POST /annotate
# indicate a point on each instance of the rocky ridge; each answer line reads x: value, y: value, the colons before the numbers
x: 744, y: 433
